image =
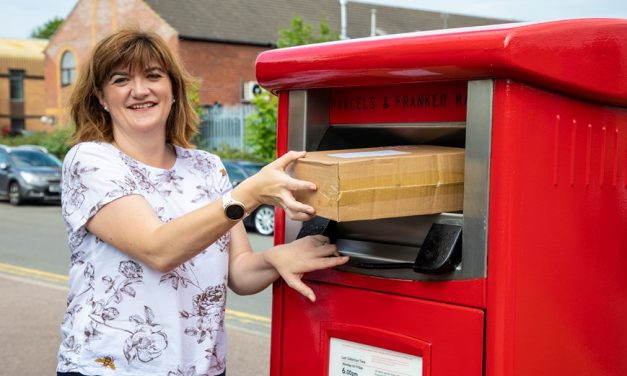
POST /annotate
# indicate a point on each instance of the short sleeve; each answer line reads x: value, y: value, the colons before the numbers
x: 223, y: 183
x: 93, y: 176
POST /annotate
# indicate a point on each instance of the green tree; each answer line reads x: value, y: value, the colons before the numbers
x: 48, y: 29
x: 301, y: 33
x: 261, y: 125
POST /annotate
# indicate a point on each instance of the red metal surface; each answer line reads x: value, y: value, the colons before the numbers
x: 448, y: 337
x: 557, y: 254
x: 278, y: 287
x: 582, y: 58
x: 554, y: 300
x: 467, y: 293
x: 470, y: 292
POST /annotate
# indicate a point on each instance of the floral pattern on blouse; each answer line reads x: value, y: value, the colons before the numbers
x: 122, y: 316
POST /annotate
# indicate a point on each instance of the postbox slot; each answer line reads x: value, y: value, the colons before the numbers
x: 373, y: 135
x: 316, y: 125
x: 391, y: 240
x: 377, y: 253
x: 393, y: 250
x: 391, y: 247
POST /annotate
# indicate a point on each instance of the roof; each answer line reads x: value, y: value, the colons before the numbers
x: 257, y: 22
x: 23, y: 54
x: 23, y: 48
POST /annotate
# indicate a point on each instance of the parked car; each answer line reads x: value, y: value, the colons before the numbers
x: 29, y: 173
x: 262, y: 219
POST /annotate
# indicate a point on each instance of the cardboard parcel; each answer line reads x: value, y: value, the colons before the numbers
x: 383, y: 182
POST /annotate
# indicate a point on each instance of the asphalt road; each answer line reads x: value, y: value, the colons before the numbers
x: 33, y: 277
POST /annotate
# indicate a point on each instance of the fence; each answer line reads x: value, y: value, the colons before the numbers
x: 224, y: 126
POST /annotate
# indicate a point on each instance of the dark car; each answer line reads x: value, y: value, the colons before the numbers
x: 262, y: 219
x: 29, y: 173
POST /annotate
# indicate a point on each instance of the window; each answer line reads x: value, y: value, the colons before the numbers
x: 17, y: 124
x: 68, y: 69
x: 16, y: 82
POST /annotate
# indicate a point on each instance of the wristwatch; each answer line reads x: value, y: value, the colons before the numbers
x: 233, y: 209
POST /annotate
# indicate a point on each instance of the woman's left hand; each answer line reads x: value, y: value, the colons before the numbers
x: 301, y: 256
x: 273, y: 186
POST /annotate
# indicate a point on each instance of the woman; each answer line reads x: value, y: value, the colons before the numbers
x: 155, y: 227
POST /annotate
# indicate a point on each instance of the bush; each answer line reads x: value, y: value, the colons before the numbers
x: 261, y: 127
x: 228, y: 152
x: 56, y: 142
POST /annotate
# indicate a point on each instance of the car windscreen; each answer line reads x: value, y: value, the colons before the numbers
x: 251, y: 169
x: 33, y: 158
x: 235, y: 174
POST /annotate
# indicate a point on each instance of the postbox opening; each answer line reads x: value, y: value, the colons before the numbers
x: 323, y: 119
x: 389, y: 247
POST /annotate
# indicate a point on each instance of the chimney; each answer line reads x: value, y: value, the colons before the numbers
x: 343, y: 17
x: 373, y: 22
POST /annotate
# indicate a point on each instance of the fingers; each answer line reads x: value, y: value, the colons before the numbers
x: 324, y: 254
x: 305, y: 255
x: 332, y: 262
x: 295, y: 282
x: 319, y: 238
x: 302, y: 217
x: 298, y: 285
x: 288, y: 158
x: 296, y: 210
x: 273, y: 185
x: 300, y: 185
x: 322, y: 246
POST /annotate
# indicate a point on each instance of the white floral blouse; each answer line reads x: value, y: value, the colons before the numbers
x: 122, y: 317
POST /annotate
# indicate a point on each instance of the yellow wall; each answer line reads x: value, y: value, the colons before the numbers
x: 26, y: 55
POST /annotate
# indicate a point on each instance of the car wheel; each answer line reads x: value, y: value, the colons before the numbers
x: 264, y: 220
x: 15, y: 194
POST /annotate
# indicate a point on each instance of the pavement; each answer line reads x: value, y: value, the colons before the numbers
x: 31, y: 312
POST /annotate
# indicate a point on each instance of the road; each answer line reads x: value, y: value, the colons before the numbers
x: 33, y: 277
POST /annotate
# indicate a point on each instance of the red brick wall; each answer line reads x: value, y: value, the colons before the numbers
x: 221, y: 68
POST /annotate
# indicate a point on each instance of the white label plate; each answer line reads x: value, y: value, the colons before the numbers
x: 348, y: 358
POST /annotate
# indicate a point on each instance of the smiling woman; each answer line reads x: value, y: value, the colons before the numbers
x: 155, y: 240
x: 137, y: 61
x: 139, y: 99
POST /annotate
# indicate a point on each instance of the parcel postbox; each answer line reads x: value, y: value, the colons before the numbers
x: 538, y: 281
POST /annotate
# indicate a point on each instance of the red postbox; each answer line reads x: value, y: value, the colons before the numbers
x: 541, y: 286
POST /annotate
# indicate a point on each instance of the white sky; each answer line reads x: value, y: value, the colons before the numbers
x: 524, y: 10
x: 19, y: 17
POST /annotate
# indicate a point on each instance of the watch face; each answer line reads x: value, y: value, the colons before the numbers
x: 234, y: 212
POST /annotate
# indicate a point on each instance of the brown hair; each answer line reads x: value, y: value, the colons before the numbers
x: 130, y: 48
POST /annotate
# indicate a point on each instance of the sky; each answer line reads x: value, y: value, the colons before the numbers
x: 18, y: 18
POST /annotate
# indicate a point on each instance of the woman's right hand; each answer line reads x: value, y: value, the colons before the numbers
x: 273, y: 186
x: 301, y: 256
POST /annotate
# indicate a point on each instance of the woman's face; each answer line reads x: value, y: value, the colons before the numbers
x: 138, y: 100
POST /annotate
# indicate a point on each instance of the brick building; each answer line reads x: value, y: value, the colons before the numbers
x: 217, y: 40
x: 22, y: 95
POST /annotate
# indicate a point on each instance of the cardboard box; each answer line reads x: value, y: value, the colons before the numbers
x: 372, y: 183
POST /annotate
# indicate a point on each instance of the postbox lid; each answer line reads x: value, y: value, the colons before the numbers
x: 586, y: 58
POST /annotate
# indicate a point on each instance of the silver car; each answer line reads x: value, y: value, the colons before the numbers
x: 29, y: 173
